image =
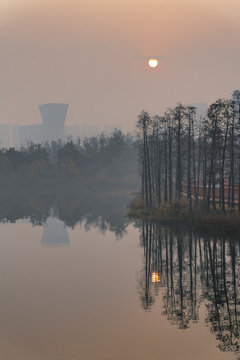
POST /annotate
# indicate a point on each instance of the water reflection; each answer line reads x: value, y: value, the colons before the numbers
x: 92, y: 209
x: 194, y: 278
x: 194, y: 271
x: 155, y: 277
x: 55, y: 232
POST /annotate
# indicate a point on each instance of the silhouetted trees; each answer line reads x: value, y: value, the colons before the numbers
x: 180, y: 154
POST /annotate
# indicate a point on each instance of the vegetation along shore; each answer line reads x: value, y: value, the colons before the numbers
x: 189, y: 166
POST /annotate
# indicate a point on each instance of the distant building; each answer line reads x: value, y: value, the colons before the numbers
x: 72, y: 132
x: 217, y: 194
x: 16, y: 142
x: 52, y: 128
x: 90, y: 130
x: 4, y: 135
x: 53, y: 117
x: 31, y: 134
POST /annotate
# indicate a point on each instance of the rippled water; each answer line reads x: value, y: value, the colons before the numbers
x: 103, y: 290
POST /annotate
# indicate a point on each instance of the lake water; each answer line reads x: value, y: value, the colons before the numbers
x: 104, y: 289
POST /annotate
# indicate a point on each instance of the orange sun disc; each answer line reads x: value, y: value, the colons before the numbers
x: 153, y: 63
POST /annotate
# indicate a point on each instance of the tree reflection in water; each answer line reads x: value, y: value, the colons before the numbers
x: 92, y: 209
x: 193, y: 270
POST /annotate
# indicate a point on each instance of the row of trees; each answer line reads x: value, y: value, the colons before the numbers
x: 109, y: 156
x: 181, y: 154
x: 193, y: 271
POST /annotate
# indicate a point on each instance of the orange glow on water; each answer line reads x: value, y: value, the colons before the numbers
x: 156, y: 277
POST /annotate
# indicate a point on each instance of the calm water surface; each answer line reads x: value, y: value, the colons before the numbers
x: 98, y: 291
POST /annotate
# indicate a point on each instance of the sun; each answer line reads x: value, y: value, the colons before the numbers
x: 153, y: 63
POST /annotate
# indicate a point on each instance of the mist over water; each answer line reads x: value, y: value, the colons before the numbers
x: 79, y: 281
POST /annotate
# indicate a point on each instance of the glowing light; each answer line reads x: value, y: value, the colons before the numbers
x: 153, y: 63
x: 155, y: 277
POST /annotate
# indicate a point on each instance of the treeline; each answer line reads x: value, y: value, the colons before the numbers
x: 109, y: 156
x: 180, y: 155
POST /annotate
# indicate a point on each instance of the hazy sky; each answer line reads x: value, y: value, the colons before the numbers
x: 93, y: 54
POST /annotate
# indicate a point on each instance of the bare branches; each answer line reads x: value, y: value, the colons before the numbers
x: 196, y: 158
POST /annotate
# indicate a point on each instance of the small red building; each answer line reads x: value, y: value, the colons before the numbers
x: 217, y: 192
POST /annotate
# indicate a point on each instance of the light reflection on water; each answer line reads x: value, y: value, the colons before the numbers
x: 194, y: 271
x: 152, y: 294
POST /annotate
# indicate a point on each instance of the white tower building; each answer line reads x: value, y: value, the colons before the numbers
x: 53, y: 117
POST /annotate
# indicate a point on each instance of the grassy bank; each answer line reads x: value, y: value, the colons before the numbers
x: 178, y: 214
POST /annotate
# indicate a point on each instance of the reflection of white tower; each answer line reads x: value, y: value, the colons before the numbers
x: 53, y: 117
x: 55, y: 233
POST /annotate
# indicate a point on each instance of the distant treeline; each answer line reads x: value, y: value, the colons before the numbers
x: 101, y: 156
x: 199, y: 159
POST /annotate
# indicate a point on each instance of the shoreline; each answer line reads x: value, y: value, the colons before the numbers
x: 179, y: 216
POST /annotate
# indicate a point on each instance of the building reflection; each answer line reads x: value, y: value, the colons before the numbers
x: 83, y: 208
x: 190, y: 271
x: 55, y: 233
